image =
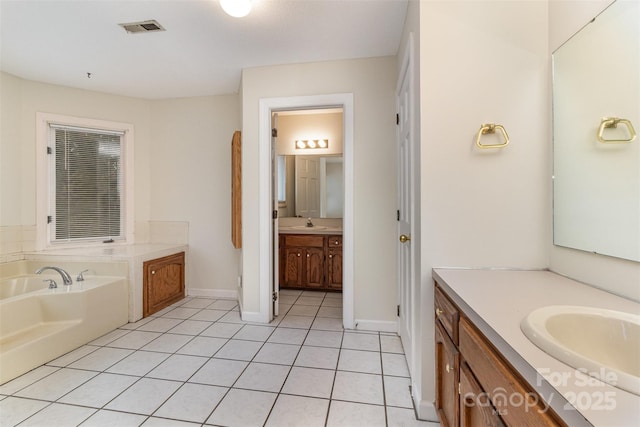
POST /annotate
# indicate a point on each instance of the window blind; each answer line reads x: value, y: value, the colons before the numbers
x: 88, y: 184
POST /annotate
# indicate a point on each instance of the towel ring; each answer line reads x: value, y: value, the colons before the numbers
x: 491, y: 128
x: 612, y: 122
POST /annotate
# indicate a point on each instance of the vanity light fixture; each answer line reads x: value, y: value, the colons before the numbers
x: 236, y: 8
x: 305, y: 144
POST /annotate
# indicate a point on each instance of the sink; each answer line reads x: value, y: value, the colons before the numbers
x: 304, y: 227
x: 604, y: 344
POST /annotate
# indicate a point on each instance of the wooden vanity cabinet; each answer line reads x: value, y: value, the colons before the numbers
x: 488, y: 390
x: 163, y: 282
x: 447, y: 378
x: 310, y: 261
x: 334, y: 262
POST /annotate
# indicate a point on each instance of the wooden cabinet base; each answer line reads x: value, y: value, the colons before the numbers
x: 475, y: 385
x: 163, y: 283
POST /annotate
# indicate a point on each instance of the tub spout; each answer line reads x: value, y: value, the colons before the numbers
x: 66, y: 278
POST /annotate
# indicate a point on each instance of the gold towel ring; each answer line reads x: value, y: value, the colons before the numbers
x: 612, y: 122
x: 491, y: 128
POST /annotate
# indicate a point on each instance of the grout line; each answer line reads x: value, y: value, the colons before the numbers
x: 208, y: 358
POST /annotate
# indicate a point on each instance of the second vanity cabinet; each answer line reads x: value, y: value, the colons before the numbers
x: 475, y: 385
x: 163, y: 282
x: 311, y: 261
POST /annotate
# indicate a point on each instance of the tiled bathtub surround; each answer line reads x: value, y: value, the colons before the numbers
x: 196, y: 363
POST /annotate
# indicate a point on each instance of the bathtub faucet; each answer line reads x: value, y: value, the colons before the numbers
x: 66, y: 278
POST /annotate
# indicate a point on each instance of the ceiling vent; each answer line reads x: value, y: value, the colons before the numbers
x: 142, y: 27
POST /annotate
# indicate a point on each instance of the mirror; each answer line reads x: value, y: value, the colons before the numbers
x: 310, y: 180
x: 310, y: 186
x: 596, y: 169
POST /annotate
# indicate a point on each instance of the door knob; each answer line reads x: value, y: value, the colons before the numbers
x: 404, y: 238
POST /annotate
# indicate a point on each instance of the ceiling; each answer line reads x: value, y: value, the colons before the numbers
x: 202, y: 51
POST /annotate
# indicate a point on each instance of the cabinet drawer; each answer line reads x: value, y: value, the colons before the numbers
x: 500, y: 382
x: 447, y: 313
x: 305, y: 240
x: 335, y: 241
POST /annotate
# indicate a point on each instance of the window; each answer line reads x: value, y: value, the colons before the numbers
x: 282, y: 180
x: 86, y: 183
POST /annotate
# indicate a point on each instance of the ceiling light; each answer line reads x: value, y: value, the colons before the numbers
x: 236, y: 8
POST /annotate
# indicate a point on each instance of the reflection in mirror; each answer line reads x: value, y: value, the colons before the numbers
x: 310, y: 181
x: 310, y: 186
x: 597, y: 167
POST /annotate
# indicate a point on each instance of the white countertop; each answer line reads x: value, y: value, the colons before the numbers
x: 333, y: 231
x: 497, y: 300
x: 112, y: 252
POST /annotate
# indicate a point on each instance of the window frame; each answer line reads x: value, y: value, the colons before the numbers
x: 45, y: 172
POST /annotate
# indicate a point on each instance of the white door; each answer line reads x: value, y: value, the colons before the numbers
x: 406, y: 247
x: 275, y: 280
x: 307, y: 186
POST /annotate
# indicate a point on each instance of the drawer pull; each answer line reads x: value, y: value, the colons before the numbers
x: 153, y: 272
x: 448, y: 368
x: 337, y: 243
x: 330, y: 256
x: 439, y: 312
x: 298, y: 253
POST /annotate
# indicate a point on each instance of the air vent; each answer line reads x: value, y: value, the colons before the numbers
x: 142, y: 27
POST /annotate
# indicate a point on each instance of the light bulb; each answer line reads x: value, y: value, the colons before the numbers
x: 300, y: 144
x: 322, y: 143
x: 311, y: 143
x: 236, y: 8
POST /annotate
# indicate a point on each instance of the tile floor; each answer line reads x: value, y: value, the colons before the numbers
x: 197, y: 363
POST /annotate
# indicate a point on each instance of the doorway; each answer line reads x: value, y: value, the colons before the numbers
x: 308, y: 208
x: 268, y: 283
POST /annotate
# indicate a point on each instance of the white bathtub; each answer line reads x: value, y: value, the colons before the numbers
x: 38, y: 324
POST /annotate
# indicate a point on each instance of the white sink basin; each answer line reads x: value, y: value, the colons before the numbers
x: 304, y: 227
x: 603, y: 343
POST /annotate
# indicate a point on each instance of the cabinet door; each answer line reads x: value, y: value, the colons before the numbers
x: 163, y: 282
x: 292, y: 274
x: 475, y: 407
x: 447, y: 377
x: 334, y: 268
x: 314, y: 267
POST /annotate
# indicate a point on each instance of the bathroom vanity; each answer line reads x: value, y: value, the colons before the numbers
x: 310, y: 260
x: 163, y: 282
x: 488, y: 373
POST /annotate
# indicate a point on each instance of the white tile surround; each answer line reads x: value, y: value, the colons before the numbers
x: 196, y: 364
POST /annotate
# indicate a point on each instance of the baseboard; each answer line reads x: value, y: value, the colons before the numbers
x: 375, y: 325
x: 426, y: 411
x: 213, y: 293
x: 252, y: 316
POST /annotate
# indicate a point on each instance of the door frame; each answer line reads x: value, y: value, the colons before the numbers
x: 267, y: 106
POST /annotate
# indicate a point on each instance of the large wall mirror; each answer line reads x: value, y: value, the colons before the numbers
x: 310, y: 180
x: 596, y: 112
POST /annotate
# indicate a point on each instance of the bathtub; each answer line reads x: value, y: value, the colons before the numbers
x: 38, y: 324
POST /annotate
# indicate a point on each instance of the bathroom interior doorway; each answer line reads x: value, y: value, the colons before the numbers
x: 328, y: 204
x: 308, y: 206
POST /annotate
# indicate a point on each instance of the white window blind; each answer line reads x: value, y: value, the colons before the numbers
x: 86, y: 198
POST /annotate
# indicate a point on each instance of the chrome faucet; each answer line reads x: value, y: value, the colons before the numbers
x: 309, y: 223
x: 66, y: 278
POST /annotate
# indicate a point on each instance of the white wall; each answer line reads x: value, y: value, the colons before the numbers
x: 292, y: 127
x: 372, y: 81
x: 615, y: 275
x: 182, y: 166
x: 21, y: 99
x: 191, y: 181
x: 482, y: 62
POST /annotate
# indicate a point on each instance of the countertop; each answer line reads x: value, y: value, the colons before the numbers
x: 334, y: 231
x: 113, y: 252
x: 513, y: 295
